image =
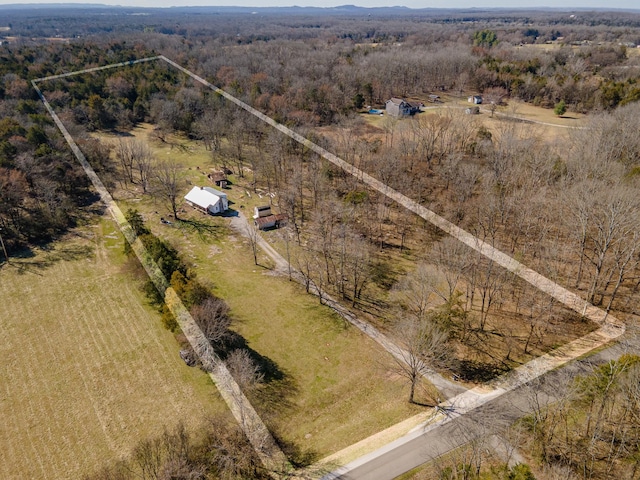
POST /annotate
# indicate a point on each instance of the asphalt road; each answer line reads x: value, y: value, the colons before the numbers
x: 493, y: 417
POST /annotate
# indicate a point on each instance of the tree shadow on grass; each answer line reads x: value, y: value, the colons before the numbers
x: 299, y: 457
x: 273, y: 398
x: 474, y: 371
x: 268, y: 367
x: 26, y: 262
x: 278, y: 388
x: 201, y: 228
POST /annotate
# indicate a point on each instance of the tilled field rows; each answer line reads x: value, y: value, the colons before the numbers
x: 86, y: 371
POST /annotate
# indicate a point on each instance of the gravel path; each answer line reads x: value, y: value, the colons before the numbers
x: 446, y: 387
x: 610, y: 327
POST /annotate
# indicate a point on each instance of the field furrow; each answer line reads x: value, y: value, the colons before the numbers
x: 88, y: 370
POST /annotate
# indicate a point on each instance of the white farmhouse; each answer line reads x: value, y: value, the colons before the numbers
x: 207, y: 200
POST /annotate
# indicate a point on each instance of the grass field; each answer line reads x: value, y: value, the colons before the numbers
x: 337, y: 385
x: 88, y: 370
x: 541, y: 121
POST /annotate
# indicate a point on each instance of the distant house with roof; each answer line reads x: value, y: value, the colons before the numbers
x: 207, y: 200
x: 397, y: 107
x: 475, y: 99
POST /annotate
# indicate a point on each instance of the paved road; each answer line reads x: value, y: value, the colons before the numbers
x: 461, y: 427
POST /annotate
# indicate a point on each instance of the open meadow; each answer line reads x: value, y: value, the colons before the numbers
x: 88, y: 370
x: 328, y: 385
x: 541, y: 121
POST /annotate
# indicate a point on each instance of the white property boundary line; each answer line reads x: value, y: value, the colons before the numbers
x: 564, y: 296
x: 610, y: 327
x: 256, y: 431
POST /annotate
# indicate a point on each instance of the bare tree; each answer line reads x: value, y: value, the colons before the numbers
x: 134, y: 156
x: 417, y: 291
x: 167, y: 178
x: 148, y: 456
x: 142, y: 162
x: 253, y: 235
x: 611, y: 238
x: 212, y: 316
x: 243, y: 369
x: 452, y: 258
x: 494, y: 97
x: 358, y: 266
x: 423, y: 345
x: 286, y: 234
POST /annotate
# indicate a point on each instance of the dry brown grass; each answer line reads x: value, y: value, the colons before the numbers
x: 88, y: 370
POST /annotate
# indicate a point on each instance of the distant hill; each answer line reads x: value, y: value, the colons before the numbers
x: 342, y: 9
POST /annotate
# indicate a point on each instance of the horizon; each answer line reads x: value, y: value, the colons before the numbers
x: 578, y: 5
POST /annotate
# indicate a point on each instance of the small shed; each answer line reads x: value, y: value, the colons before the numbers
x: 219, y: 178
x: 263, y: 211
x: 475, y: 99
x: 265, y: 219
x: 271, y: 221
x: 207, y: 200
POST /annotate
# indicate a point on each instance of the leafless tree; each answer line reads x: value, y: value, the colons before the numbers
x: 468, y: 447
x: 491, y: 279
x: 135, y: 157
x: 538, y: 312
x: 304, y: 264
x: 611, y: 238
x: 418, y: 290
x: 167, y: 183
x: 143, y: 163
x: 124, y: 157
x: 494, y: 97
x: 212, y: 316
x: 253, y: 235
x: 148, y: 456
x: 424, y: 345
x: 451, y: 258
x: 243, y: 369
x: 286, y: 234
x: 358, y: 266
x: 210, y: 127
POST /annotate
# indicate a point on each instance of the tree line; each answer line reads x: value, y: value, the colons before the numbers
x: 501, y: 185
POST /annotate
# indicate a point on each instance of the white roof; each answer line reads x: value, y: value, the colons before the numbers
x: 215, y: 192
x: 204, y: 196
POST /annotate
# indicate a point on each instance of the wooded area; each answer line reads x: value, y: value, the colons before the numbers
x: 566, y: 205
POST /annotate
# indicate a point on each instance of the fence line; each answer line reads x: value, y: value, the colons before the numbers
x: 256, y: 431
x: 564, y: 296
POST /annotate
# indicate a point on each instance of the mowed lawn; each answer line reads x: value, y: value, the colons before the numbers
x: 87, y: 368
x: 337, y: 387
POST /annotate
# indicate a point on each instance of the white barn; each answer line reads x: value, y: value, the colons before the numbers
x: 207, y: 200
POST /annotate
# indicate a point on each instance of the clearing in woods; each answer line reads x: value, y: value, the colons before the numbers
x: 330, y: 385
x: 533, y: 121
x: 88, y: 369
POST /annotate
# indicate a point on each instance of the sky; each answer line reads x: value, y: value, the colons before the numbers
x: 609, y: 4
